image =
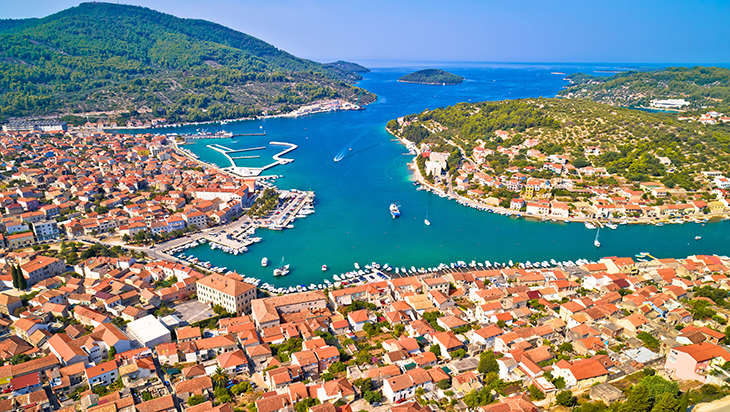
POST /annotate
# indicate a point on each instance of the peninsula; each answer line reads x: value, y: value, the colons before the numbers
x: 565, y: 159
x: 431, y: 76
x: 121, y: 65
x: 673, y: 88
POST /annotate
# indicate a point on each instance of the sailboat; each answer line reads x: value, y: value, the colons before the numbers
x: 596, y: 242
x: 282, y: 270
x: 426, y: 219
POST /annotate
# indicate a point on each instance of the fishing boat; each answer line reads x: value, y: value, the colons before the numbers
x: 282, y: 270
x: 394, y: 211
x: 596, y: 242
x: 264, y: 262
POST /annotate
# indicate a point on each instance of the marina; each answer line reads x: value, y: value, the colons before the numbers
x: 352, y: 220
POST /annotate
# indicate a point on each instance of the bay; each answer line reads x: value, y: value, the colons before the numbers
x: 352, y: 222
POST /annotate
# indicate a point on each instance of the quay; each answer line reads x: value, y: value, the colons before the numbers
x: 252, y: 171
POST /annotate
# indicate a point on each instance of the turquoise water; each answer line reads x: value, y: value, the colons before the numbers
x: 352, y: 222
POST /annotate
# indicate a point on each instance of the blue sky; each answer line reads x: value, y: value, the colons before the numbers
x: 390, y: 33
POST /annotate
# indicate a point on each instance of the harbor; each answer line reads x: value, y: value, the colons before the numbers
x: 252, y: 171
x: 352, y: 220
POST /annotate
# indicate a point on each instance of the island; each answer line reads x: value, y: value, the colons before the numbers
x: 570, y: 159
x: 431, y: 76
x: 167, y: 70
x: 670, y: 89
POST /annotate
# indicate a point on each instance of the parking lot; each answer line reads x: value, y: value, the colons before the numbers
x: 193, y: 311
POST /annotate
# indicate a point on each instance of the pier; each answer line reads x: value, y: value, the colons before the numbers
x: 252, y: 171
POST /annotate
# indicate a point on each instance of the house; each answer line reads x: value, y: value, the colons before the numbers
x: 102, y: 374
x: 357, y: 319
x: 581, y: 373
x: 404, y: 386
x: 336, y: 390
x: 448, y: 342
x: 695, y: 361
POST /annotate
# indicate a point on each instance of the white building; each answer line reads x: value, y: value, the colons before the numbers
x: 149, y: 331
x: 669, y: 103
x: 45, y: 230
x: 233, y: 295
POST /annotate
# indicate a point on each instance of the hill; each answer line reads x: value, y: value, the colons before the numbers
x: 110, y: 57
x: 700, y: 86
x: 632, y: 145
x: 431, y: 76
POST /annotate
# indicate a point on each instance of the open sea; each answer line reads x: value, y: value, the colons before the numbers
x: 352, y: 222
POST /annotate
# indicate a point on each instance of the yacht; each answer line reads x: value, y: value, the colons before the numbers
x: 264, y: 262
x: 698, y: 237
x: 282, y: 270
x: 589, y: 225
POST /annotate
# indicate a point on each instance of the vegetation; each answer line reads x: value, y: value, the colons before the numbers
x: 630, y: 141
x: 701, y: 86
x: 102, y: 56
x: 432, y: 76
x: 264, y: 204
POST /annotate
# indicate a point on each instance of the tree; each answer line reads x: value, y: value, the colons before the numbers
x: 222, y: 395
x: 21, y: 279
x: 444, y: 383
x: 436, y: 350
x: 559, y: 382
x: 337, y: 367
x: 565, y: 347
x: 535, y: 393
x: 240, y: 388
x: 372, y: 397
x: 488, y: 363
x: 327, y: 376
x: 219, y: 378
x: 566, y: 398
x: 666, y: 402
x: 14, y: 274
x: 196, y: 400
x: 639, y: 400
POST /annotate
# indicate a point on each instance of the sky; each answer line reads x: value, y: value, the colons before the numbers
x: 382, y: 33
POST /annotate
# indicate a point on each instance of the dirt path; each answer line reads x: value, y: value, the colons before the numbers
x: 718, y: 405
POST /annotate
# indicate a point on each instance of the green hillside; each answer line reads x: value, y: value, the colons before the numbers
x: 101, y: 57
x: 700, y: 86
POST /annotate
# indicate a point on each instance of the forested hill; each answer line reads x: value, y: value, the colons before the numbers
x: 700, y: 86
x: 101, y: 56
x: 431, y: 76
x: 628, y: 143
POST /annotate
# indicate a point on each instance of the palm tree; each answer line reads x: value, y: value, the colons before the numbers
x: 219, y: 378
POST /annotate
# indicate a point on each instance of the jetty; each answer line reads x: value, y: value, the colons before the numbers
x: 252, y: 171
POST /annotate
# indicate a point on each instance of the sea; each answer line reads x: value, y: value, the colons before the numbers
x: 352, y: 222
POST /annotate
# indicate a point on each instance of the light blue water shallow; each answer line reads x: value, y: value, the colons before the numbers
x: 352, y: 222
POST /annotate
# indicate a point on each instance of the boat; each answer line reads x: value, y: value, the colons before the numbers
x: 282, y: 270
x: 596, y: 242
x: 357, y: 266
x: 611, y: 226
x: 589, y: 225
x: 324, y: 268
x: 264, y: 262
x: 426, y: 219
x: 698, y: 237
x: 394, y: 211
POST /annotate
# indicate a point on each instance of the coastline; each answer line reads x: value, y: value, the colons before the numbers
x: 433, y: 84
x: 346, y: 106
x: 600, y: 222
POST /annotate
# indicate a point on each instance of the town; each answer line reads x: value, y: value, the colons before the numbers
x: 507, y: 173
x: 97, y: 317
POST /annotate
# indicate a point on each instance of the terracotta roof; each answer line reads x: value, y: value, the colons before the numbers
x: 701, y: 352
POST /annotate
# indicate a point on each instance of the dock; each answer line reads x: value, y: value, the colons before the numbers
x: 252, y: 171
